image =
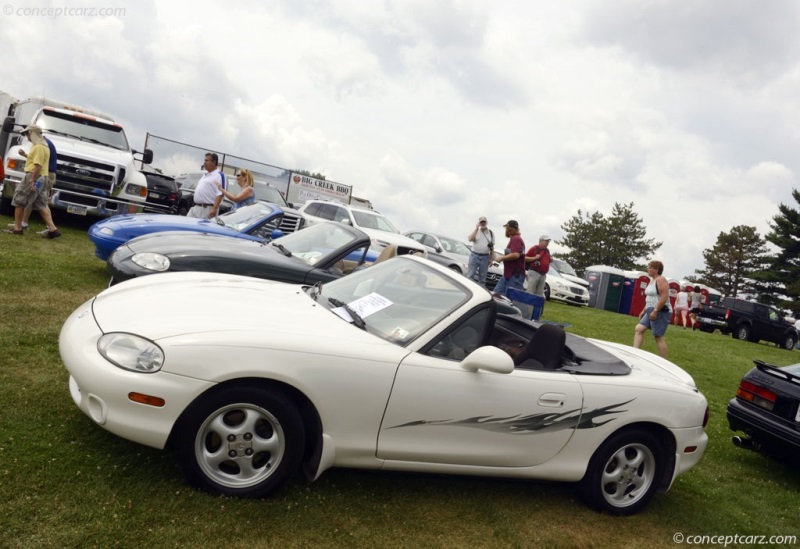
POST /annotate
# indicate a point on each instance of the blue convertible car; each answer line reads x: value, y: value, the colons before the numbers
x: 254, y: 222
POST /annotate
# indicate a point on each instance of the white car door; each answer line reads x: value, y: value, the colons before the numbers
x: 439, y: 412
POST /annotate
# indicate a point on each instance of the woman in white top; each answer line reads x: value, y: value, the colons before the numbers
x: 657, y: 309
x: 682, y: 307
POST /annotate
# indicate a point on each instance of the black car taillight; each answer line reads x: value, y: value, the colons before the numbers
x: 756, y: 394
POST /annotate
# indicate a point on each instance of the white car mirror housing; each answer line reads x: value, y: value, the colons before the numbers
x: 490, y: 359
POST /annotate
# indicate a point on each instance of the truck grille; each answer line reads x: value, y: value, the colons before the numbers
x: 85, y: 175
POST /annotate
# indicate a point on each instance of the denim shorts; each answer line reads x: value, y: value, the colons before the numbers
x: 659, y: 325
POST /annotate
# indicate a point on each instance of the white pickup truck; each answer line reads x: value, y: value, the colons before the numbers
x: 96, y: 173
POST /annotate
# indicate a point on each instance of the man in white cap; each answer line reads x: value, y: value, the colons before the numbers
x: 480, y: 258
x: 537, y: 263
x: 30, y: 191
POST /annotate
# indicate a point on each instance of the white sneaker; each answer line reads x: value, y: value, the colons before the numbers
x: 24, y: 226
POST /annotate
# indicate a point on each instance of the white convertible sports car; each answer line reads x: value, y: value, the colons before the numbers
x: 402, y: 366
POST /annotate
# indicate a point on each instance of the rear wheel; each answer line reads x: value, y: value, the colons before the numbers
x: 240, y: 441
x: 547, y: 291
x: 789, y: 341
x: 621, y: 476
x: 742, y: 332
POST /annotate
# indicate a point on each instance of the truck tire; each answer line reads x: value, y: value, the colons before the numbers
x: 742, y: 332
x: 789, y: 341
x: 5, y: 206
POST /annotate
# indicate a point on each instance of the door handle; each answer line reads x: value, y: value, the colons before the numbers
x: 552, y: 400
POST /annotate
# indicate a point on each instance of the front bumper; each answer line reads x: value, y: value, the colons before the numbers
x: 100, y: 389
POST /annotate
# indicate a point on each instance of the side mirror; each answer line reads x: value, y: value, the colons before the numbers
x: 276, y: 233
x: 490, y: 359
x: 147, y: 156
x: 345, y: 220
x: 8, y: 124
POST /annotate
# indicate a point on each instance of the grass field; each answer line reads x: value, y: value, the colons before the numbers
x: 64, y: 482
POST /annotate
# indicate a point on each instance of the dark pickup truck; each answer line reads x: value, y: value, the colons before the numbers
x: 748, y: 321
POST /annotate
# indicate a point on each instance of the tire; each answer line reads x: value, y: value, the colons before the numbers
x: 183, y: 210
x: 622, y: 475
x: 789, y: 341
x: 707, y: 329
x: 546, y: 291
x: 258, y: 428
x: 455, y: 268
x: 5, y: 206
x: 742, y: 332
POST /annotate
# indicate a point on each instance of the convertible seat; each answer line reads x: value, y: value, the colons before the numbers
x: 388, y: 252
x: 544, y: 350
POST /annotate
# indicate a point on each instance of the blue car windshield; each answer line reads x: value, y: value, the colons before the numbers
x: 248, y: 215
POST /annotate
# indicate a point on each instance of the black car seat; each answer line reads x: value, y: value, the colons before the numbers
x: 544, y: 350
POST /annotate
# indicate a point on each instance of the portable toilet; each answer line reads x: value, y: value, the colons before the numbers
x: 605, y: 287
x: 632, y: 301
x: 674, y: 288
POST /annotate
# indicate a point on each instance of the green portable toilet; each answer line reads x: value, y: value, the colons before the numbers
x: 605, y: 287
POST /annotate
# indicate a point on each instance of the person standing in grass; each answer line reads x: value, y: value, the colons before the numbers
x: 657, y: 309
x: 29, y: 191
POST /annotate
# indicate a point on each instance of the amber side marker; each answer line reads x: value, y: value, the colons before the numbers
x: 147, y: 399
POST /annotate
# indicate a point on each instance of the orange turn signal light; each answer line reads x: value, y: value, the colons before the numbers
x: 147, y: 400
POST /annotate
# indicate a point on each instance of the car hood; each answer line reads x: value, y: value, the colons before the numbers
x: 135, y: 224
x: 179, y: 304
x: 645, y: 364
x: 575, y: 279
x: 394, y: 238
x: 85, y: 149
x: 193, y: 244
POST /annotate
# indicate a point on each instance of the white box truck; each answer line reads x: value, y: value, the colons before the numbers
x: 96, y: 173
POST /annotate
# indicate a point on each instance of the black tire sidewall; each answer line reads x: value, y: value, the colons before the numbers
x: 590, y: 486
x: 270, y: 400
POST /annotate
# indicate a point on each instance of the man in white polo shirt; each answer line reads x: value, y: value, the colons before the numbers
x: 207, y: 195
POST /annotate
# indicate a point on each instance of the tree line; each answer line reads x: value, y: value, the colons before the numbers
x: 739, y: 264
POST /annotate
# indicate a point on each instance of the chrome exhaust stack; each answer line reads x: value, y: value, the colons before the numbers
x: 745, y: 443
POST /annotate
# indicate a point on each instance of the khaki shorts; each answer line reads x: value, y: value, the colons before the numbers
x: 25, y: 197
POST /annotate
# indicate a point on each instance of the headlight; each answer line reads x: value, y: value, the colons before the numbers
x: 131, y: 352
x: 151, y: 261
x: 136, y: 190
x: 106, y: 231
x: 561, y: 286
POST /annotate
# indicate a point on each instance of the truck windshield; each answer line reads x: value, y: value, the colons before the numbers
x: 83, y: 128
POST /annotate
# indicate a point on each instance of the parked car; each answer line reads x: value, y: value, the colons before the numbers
x: 254, y: 222
x: 162, y: 194
x: 376, y: 225
x: 557, y: 286
x: 404, y: 365
x: 321, y: 252
x: 444, y: 250
x: 766, y: 409
x: 748, y: 321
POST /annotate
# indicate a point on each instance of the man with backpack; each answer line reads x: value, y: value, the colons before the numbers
x: 480, y: 258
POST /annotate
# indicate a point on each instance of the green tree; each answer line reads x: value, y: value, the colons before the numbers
x: 779, y: 281
x: 733, y: 261
x: 309, y: 174
x: 617, y: 240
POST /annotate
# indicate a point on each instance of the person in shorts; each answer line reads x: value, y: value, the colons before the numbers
x: 657, y: 309
x: 30, y: 191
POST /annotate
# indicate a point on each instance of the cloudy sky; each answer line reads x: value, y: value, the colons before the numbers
x: 441, y: 111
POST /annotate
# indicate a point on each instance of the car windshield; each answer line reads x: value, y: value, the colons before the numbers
x: 563, y: 267
x: 454, y: 246
x: 398, y: 299
x: 316, y: 244
x: 370, y: 220
x: 84, y: 128
x: 245, y: 216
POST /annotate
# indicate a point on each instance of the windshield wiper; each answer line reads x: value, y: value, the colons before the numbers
x: 316, y: 289
x: 64, y: 134
x: 357, y: 320
x: 282, y: 248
